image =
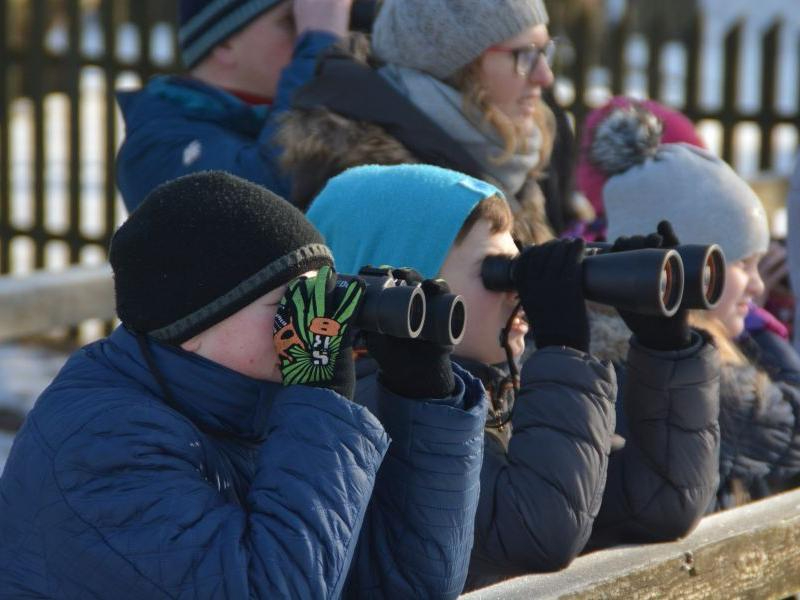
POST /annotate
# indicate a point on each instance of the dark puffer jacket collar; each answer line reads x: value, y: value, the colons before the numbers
x: 215, y: 398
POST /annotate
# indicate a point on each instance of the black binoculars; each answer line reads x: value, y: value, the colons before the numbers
x: 362, y: 15
x: 398, y: 308
x: 651, y: 281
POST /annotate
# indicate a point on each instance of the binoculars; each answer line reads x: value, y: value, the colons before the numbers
x: 400, y: 309
x: 362, y: 15
x: 650, y: 281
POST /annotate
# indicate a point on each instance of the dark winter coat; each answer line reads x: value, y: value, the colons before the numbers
x: 760, y: 421
x: 177, y: 125
x: 543, y: 492
x: 246, y: 489
x: 660, y: 483
x: 350, y: 115
x: 540, y: 491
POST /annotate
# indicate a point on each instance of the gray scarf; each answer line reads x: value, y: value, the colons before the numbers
x: 444, y: 105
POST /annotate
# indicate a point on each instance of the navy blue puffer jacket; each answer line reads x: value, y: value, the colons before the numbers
x: 249, y: 490
x: 177, y: 125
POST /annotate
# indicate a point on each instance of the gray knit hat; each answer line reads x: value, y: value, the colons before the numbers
x: 441, y: 36
x: 703, y: 198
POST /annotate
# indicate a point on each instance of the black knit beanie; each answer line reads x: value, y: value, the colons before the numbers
x: 203, y: 246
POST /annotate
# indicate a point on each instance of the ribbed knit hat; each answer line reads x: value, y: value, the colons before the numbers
x: 441, y: 36
x: 703, y: 198
x: 402, y: 215
x: 203, y: 246
x: 206, y: 23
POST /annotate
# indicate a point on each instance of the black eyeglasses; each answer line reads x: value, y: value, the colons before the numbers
x: 526, y: 58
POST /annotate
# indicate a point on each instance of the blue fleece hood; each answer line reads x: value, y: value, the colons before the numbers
x: 402, y: 215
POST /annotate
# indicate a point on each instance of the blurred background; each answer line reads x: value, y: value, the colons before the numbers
x: 733, y: 66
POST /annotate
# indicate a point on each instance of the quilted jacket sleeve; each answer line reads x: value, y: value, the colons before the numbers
x: 660, y: 484
x: 418, y: 531
x: 760, y: 418
x: 155, y: 151
x: 157, y: 525
x: 539, y: 497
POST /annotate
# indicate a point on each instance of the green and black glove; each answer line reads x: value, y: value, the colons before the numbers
x: 312, y: 333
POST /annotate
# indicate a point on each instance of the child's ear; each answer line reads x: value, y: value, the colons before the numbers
x: 193, y: 344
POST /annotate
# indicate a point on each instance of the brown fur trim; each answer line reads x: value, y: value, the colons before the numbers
x: 741, y: 386
x: 530, y: 220
x: 609, y: 334
x: 322, y: 135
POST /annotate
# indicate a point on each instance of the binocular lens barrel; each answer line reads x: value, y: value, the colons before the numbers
x: 402, y: 311
x: 703, y: 271
x: 647, y: 281
x: 398, y: 311
x: 362, y: 15
x: 445, y: 320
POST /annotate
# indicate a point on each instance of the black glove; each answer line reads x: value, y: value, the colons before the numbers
x: 549, y: 279
x: 312, y: 333
x: 657, y: 333
x: 414, y: 368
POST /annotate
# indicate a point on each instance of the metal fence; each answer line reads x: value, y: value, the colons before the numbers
x: 742, y: 81
x: 59, y: 127
x: 62, y: 60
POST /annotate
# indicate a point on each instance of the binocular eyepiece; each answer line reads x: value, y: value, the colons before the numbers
x: 653, y: 281
x: 362, y: 15
x: 400, y: 309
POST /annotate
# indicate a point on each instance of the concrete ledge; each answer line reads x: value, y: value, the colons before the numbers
x: 748, y: 552
x: 36, y: 303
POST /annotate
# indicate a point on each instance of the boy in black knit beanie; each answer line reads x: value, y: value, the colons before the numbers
x: 187, y: 455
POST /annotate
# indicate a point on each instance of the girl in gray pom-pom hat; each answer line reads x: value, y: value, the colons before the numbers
x: 707, y: 202
x: 456, y: 83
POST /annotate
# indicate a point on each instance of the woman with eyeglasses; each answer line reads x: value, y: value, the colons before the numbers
x: 455, y: 84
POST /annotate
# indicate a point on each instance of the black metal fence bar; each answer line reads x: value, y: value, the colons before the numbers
x: 73, y: 60
x: 5, y: 162
x: 33, y: 69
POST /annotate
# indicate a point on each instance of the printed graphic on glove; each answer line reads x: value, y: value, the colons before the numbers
x: 310, y: 325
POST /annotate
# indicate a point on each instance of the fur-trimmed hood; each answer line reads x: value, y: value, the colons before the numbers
x: 320, y: 142
x: 609, y: 334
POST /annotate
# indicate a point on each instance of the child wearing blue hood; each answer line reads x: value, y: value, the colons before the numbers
x: 548, y: 440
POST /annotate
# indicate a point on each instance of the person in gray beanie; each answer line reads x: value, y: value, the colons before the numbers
x: 462, y: 31
x: 707, y: 202
x: 456, y: 83
x: 244, y: 61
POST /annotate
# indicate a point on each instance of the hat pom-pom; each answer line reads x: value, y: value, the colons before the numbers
x: 626, y: 137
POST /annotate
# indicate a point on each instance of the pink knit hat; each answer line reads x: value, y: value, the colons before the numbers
x: 589, y: 179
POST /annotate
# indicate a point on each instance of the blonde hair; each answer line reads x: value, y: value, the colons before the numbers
x: 467, y: 81
x: 729, y: 353
x: 530, y: 220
